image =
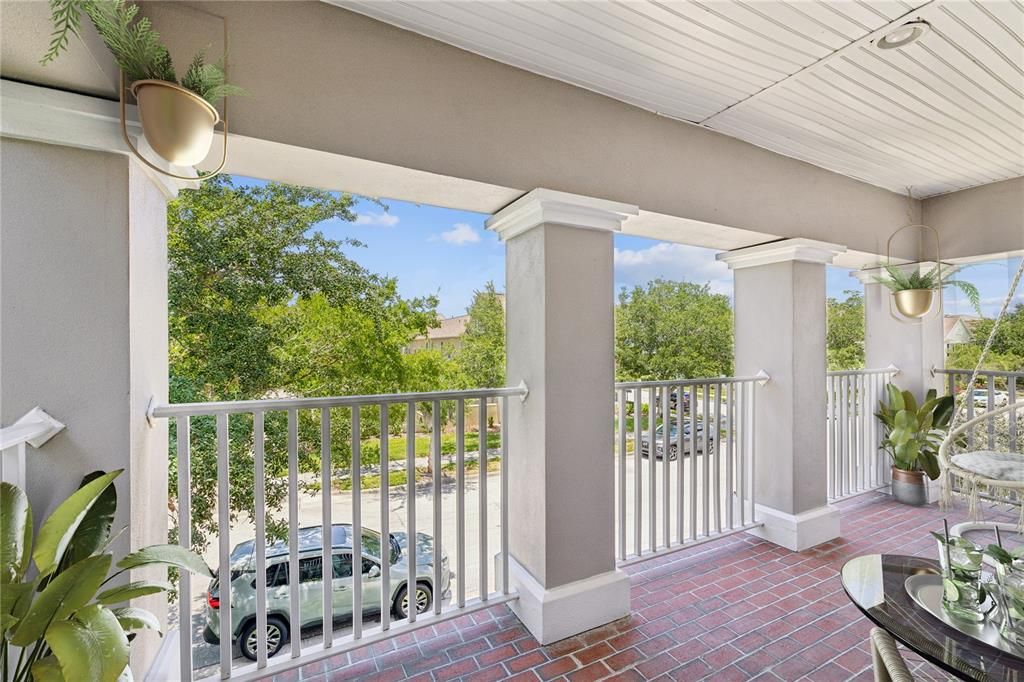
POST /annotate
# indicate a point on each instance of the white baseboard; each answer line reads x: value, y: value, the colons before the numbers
x: 567, y: 610
x: 800, y: 531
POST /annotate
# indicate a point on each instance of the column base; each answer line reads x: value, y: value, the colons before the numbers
x: 567, y: 610
x: 797, y: 532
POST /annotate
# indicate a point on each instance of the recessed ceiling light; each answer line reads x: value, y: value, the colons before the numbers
x: 903, y: 35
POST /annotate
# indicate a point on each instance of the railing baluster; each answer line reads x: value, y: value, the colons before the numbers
x: 224, y: 523
x: 1011, y: 390
x: 730, y: 499
x: 717, y: 449
x: 293, y: 529
x: 620, y: 508
x: 970, y: 414
x: 638, y: 487
x: 482, y: 474
x: 991, y: 386
x: 385, y: 520
x: 183, y: 432
x: 706, y: 468
x: 357, y: 527
x: 693, y: 462
x: 652, y: 458
x: 326, y: 528
x: 410, y: 492
x: 504, y: 496
x: 260, y: 541
x: 666, y: 443
x: 435, y: 441
x: 680, y: 463
x: 460, y: 499
x: 753, y: 451
x: 830, y: 435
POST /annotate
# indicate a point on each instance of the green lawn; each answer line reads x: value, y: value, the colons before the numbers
x: 397, y: 444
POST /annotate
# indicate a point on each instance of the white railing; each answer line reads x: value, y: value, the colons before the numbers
x: 685, y: 463
x: 992, y: 389
x: 856, y: 463
x: 347, y: 413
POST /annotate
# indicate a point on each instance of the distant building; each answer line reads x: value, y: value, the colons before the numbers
x: 447, y: 337
x: 957, y: 329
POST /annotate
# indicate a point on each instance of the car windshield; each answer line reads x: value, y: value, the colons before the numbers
x: 310, y: 540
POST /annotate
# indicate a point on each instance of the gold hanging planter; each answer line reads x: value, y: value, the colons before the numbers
x: 914, y: 303
x: 178, y: 124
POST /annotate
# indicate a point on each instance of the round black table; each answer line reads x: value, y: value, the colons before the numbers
x: 875, y: 583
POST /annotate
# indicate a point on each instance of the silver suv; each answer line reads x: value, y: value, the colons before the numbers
x: 243, y: 584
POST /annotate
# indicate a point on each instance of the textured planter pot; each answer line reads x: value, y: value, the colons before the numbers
x: 909, y: 487
x: 914, y: 303
x: 178, y: 124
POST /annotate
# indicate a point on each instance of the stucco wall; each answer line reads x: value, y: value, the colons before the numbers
x: 981, y: 220
x: 83, y: 330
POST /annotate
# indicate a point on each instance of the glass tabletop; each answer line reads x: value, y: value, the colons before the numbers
x: 876, y: 584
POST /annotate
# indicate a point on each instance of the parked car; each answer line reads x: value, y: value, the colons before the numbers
x: 980, y: 397
x: 279, y: 627
x: 673, y: 452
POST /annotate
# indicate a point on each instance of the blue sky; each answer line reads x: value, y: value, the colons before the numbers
x: 448, y: 253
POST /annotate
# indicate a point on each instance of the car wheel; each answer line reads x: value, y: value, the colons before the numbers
x: 277, y: 635
x: 424, y: 599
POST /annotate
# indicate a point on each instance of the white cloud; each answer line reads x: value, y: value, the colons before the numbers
x: 673, y: 262
x: 384, y: 219
x: 461, y: 234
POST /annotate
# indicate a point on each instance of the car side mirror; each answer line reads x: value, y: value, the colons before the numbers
x: 374, y: 572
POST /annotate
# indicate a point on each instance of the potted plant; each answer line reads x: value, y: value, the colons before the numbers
x: 914, y: 291
x: 69, y: 616
x: 177, y: 119
x: 912, y: 436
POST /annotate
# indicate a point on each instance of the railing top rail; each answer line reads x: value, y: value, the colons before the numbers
x: 243, y: 406
x: 760, y: 377
x: 891, y: 369
x: 981, y: 373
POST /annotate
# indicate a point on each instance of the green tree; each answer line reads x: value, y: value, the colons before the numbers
x: 845, y: 331
x: 670, y: 330
x: 481, y: 359
x: 261, y: 303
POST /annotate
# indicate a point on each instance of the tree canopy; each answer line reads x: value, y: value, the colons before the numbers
x: 1007, y: 353
x: 481, y: 359
x: 668, y: 330
x: 261, y: 302
x: 845, y: 331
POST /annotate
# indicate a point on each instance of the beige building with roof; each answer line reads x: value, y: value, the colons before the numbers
x: 447, y: 337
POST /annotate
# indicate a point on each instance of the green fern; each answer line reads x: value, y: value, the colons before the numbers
x: 900, y: 280
x: 135, y: 45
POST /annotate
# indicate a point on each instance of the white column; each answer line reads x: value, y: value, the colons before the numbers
x: 83, y: 271
x: 913, y: 346
x: 560, y: 322
x: 780, y: 328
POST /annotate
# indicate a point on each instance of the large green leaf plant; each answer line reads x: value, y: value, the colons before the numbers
x: 68, y: 619
x: 912, y: 432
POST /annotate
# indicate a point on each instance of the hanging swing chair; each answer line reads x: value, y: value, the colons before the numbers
x: 991, y: 473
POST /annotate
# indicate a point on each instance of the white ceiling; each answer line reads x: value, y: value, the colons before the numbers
x: 799, y: 78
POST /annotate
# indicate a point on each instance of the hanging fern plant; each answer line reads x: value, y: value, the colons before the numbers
x: 900, y: 280
x: 135, y: 45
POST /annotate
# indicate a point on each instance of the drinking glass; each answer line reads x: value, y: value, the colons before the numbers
x: 1010, y: 578
x: 962, y: 592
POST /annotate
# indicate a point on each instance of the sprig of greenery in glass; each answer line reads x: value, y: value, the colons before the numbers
x: 901, y: 280
x: 135, y: 45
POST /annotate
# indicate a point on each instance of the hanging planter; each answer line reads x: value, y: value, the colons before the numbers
x: 177, y: 123
x: 913, y: 290
x: 177, y: 119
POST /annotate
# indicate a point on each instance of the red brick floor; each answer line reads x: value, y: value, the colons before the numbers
x: 735, y: 609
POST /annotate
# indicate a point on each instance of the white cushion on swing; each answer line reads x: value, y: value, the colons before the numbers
x: 997, y: 466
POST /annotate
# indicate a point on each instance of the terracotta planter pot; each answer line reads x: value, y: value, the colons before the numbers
x: 914, y: 303
x: 178, y: 124
x: 909, y: 487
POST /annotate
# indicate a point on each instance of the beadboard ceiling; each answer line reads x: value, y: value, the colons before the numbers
x: 803, y: 79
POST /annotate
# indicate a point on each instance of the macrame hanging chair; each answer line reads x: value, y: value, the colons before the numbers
x: 972, y: 473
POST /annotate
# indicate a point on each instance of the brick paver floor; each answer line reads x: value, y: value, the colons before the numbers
x: 734, y: 609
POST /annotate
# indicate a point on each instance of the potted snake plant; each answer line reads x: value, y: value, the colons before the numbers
x: 914, y: 292
x: 177, y: 118
x: 912, y: 435
x: 63, y: 597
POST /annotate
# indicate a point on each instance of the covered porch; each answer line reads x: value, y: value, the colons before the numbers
x: 578, y: 546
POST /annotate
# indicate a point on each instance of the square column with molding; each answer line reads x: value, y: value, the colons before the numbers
x: 560, y: 339
x: 780, y: 328
x: 915, y: 347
